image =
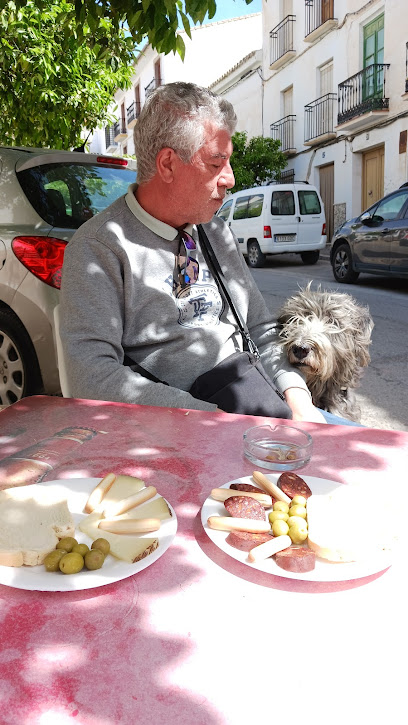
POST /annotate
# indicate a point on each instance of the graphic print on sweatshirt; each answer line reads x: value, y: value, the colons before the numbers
x: 199, y: 306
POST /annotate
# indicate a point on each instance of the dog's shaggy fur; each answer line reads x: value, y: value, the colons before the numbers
x: 327, y: 335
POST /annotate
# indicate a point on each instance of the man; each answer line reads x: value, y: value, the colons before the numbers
x: 122, y: 288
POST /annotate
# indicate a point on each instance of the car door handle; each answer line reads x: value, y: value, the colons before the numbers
x: 298, y: 219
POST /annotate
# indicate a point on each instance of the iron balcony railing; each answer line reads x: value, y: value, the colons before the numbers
x: 133, y: 111
x: 317, y: 12
x: 282, y: 38
x: 284, y: 131
x: 319, y: 116
x: 287, y: 176
x: 155, y: 83
x: 119, y: 127
x: 110, y: 136
x: 363, y: 92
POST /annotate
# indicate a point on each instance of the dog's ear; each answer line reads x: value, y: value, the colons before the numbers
x: 363, y: 337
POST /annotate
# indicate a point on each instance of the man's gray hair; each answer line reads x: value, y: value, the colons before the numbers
x: 174, y: 116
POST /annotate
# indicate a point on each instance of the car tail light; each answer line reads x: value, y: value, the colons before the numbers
x: 42, y: 256
x: 324, y: 230
x: 111, y: 160
x: 267, y: 233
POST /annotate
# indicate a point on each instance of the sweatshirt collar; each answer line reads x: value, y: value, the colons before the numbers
x: 155, y: 225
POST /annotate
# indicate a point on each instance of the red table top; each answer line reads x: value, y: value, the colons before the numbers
x: 198, y: 638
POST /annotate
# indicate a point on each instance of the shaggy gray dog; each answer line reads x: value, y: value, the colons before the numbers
x: 327, y: 335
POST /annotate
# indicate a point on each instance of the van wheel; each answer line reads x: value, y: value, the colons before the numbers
x: 310, y: 257
x: 256, y: 258
x: 19, y: 372
x: 342, y: 265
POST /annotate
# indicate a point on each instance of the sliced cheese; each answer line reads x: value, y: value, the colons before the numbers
x: 122, y: 487
x: 126, y: 548
x: 350, y: 524
x: 157, y: 509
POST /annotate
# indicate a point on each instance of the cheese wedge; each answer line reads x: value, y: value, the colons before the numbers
x: 157, y: 509
x: 122, y: 487
x: 126, y: 548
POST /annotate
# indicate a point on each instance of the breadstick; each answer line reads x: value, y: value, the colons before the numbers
x: 129, y: 526
x: 99, y: 492
x: 230, y: 523
x: 221, y: 494
x: 269, y: 548
x: 120, y: 507
x: 270, y: 487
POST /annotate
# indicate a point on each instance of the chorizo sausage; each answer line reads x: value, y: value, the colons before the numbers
x: 293, y: 485
x: 298, y: 560
x: 244, y: 507
x: 245, y: 541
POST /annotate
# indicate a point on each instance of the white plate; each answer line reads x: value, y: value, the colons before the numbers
x: 76, y: 491
x: 324, y: 571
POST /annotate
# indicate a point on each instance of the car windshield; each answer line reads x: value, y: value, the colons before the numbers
x: 68, y: 194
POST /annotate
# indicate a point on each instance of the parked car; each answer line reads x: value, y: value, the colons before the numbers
x: 275, y: 219
x: 374, y: 242
x: 44, y: 197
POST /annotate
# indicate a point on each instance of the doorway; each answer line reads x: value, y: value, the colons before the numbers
x: 373, y: 177
x: 326, y: 180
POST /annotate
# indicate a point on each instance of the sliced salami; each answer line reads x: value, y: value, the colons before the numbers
x: 248, y: 487
x: 296, y: 560
x: 293, y: 485
x: 245, y: 541
x: 244, y: 507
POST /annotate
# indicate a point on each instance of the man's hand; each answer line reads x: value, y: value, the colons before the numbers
x: 301, y: 405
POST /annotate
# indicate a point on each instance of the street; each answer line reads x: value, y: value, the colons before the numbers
x: 382, y: 395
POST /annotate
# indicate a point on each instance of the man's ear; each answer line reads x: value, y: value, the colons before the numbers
x: 166, y: 161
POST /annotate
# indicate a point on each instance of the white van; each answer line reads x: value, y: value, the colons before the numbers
x: 275, y: 219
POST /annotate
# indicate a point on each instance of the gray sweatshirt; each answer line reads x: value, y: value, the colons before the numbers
x: 118, y: 295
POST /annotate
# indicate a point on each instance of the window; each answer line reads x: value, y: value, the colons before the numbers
x: 283, y: 203
x: 67, y: 194
x: 224, y: 212
x: 390, y: 209
x: 309, y: 202
x: 241, y: 208
x: 374, y: 57
x: 255, y: 204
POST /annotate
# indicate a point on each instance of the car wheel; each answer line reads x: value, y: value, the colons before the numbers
x: 256, y: 258
x: 19, y: 371
x: 342, y: 264
x: 310, y: 257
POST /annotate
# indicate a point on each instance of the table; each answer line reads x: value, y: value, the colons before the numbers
x: 199, y: 638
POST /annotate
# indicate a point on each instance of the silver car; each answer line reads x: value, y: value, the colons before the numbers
x: 45, y: 196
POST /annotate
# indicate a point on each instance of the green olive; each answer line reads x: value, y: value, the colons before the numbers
x: 94, y: 559
x: 102, y: 545
x: 299, y: 501
x: 297, y: 535
x: 80, y: 549
x: 277, y: 516
x: 297, y: 511
x: 281, y: 506
x: 71, y: 563
x: 297, y: 521
x: 52, y: 560
x: 67, y: 543
x: 279, y: 528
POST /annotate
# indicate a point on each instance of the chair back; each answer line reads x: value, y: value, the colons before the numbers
x: 60, y: 355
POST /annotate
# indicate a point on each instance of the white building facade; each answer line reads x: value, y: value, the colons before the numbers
x: 213, y: 49
x: 335, y: 94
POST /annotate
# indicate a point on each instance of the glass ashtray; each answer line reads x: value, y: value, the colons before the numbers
x: 279, y: 448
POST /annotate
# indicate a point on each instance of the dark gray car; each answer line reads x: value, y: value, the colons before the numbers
x: 375, y: 242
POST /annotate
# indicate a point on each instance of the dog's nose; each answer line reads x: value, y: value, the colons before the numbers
x: 300, y: 351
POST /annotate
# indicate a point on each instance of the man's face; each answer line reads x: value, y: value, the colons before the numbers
x: 201, y: 184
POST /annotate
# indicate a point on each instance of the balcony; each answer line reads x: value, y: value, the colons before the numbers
x: 362, y: 99
x: 110, y: 142
x: 319, y: 119
x: 284, y: 131
x: 132, y: 114
x: 282, y: 50
x: 319, y: 19
x: 120, y: 131
x: 155, y: 83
